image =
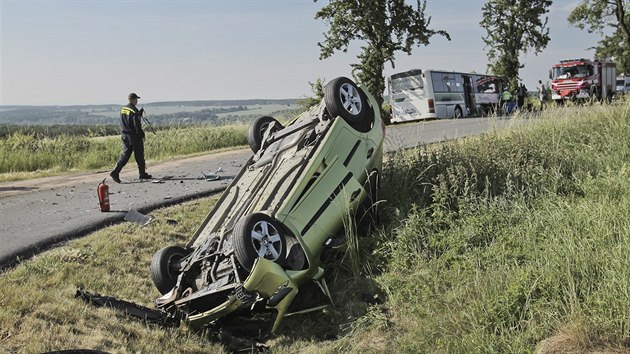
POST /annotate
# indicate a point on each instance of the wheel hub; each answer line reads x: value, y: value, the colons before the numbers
x: 266, y: 240
x: 350, y: 99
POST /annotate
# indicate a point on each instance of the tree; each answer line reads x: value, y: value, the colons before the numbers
x: 597, y: 15
x: 514, y: 27
x: 386, y: 27
x: 318, y: 90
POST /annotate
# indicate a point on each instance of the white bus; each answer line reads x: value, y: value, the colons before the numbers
x: 424, y: 94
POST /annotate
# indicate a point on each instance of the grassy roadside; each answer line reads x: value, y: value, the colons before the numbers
x: 511, y: 242
x: 39, y: 314
x: 514, y: 241
x: 28, y: 156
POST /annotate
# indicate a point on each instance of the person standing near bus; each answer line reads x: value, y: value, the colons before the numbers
x: 521, y: 93
x: 506, y: 97
x: 542, y: 94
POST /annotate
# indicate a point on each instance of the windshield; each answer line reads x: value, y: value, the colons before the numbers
x: 566, y: 72
x: 407, y: 83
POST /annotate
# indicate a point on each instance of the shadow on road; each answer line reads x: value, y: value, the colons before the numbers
x: 12, y: 189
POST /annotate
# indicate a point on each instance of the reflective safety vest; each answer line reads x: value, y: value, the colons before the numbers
x: 130, y: 122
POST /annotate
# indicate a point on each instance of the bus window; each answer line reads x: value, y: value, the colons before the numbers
x: 487, y: 85
x: 446, y: 82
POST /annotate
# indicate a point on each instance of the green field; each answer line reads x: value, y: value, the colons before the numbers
x: 31, y: 155
x: 114, y: 113
x: 256, y: 109
x: 511, y: 242
x: 30, y: 151
x: 261, y: 110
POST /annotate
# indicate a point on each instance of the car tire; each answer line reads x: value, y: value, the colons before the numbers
x: 257, y: 131
x: 258, y: 235
x: 163, y: 274
x: 343, y: 98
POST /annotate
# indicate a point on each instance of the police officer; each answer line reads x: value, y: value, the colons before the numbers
x: 132, y: 138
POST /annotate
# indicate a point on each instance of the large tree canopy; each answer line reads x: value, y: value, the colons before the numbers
x: 513, y: 27
x: 385, y: 26
x: 598, y: 15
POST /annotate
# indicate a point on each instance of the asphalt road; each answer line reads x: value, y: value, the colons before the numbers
x: 37, y: 214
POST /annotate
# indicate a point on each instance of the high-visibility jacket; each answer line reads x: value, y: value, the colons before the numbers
x: 131, y: 120
x: 506, y: 96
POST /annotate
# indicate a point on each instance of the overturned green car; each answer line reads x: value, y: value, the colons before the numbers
x: 265, y: 236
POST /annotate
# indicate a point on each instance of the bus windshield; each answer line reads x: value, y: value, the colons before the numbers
x: 410, y: 82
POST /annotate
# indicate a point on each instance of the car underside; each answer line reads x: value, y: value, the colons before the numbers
x: 265, y: 235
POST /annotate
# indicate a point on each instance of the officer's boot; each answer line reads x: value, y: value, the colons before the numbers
x: 115, y: 174
x: 143, y: 173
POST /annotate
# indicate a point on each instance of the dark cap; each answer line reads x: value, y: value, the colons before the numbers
x: 133, y: 95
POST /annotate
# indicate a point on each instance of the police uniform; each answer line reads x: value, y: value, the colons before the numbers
x: 132, y: 139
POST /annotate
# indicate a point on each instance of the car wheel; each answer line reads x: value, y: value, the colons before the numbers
x: 458, y: 112
x: 164, y: 269
x: 344, y: 99
x: 257, y: 131
x: 258, y: 235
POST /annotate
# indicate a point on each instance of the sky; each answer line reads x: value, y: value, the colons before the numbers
x: 71, y: 52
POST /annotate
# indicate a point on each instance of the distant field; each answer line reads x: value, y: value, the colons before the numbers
x: 162, y: 113
x: 155, y: 111
x: 260, y: 110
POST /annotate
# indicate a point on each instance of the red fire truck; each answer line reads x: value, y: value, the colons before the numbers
x: 583, y: 79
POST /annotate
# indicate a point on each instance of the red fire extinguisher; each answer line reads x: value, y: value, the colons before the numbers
x: 103, y: 196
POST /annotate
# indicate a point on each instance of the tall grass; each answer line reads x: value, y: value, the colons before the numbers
x: 21, y: 152
x: 57, y: 130
x: 509, y: 242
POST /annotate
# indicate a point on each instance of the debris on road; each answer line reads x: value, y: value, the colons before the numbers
x: 203, y: 176
x: 137, y: 218
x: 210, y: 176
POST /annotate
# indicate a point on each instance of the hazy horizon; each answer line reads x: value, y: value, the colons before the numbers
x: 140, y: 104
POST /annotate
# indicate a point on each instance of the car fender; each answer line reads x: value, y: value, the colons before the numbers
x: 270, y: 280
